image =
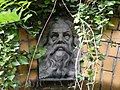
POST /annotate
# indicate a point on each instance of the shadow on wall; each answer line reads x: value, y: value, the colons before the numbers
x: 106, y: 86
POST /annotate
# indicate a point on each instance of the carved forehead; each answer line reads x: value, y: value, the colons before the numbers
x: 60, y: 25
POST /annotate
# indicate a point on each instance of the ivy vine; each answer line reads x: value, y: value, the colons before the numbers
x: 90, y: 19
x: 90, y: 22
x: 10, y: 18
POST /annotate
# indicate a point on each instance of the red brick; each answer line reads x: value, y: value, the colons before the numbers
x: 22, y: 79
x: 106, y: 35
x: 117, y: 70
x: 97, y: 83
x: 103, y: 47
x: 24, y: 46
x: 33, y: 42
x: 83, y: 70
x: 116, y: 36
x: 23, y: 69
x: 114, y: 21
x: 84, y: 48
x: 23, y: 34
x: 33, y: 75
x: 112, y: 50
x: 106, y: 80
x: 108, y: 62
x: 34, y: 64
x: 116, y: 83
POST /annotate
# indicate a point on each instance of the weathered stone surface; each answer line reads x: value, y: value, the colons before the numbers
x: 59, y: 61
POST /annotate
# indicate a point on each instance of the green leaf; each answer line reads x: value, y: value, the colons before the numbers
x: 1, y: 46
x: 8, y: 4
x: 6, y: 83
x: 80, y: 76
x: 15, y: 63
x: 52, y: 0
x: 10, y: 37
x: 3, y: 2
x: 22, y: 2
x: 90, y: 72
x: 42, y: 51
x: 90, y: 58
x: 2, y: 63
x: 10, y: 65
x: 82, y: 63
x: 11, y: 77
x: 27, y: 17
x: 23, y: 60
x: 8, y: 16
x: 110, y: 3
x: 97, y: 19
x: 1, y: 32
x: 110, y: 12
x: 14, y: 85
x: 29, y: 56
x: 28, y: 4
x: 5, y: 59
x: 76, y: 20
x: 110, y: 24
x: 37, y: 56
x: 20, y: 13
x: 92, y: 48
x: 87, y: 17
x: 101, y: 58
x: 47, y: 1
x: 1, y: 72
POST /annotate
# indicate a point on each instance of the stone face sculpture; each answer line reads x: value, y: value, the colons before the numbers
x: 59, y: 62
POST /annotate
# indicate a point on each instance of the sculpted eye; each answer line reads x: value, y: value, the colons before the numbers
x: 54, y: 36
x: 66, y: 36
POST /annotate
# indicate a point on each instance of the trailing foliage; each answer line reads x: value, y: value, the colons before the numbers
x: 10, y: 17
x: 90, y: 19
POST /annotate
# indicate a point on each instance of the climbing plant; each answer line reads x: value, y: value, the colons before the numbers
x: 11, y: 17
x: 90, y: 19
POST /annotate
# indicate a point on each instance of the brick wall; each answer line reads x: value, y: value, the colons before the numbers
x: 26, y: 41
x: 108, y: 77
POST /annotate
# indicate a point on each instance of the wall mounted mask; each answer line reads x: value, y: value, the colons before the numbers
x: 59, y: 60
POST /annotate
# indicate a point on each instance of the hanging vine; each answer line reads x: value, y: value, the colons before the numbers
x: 10, y: 17
x: 90, y: 20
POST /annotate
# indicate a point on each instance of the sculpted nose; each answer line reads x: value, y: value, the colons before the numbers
x: 60, y: 39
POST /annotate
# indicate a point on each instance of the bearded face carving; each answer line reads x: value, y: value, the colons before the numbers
x: 59, y: 60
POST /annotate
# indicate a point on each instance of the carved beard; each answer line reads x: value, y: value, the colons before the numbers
x: 58, y: 63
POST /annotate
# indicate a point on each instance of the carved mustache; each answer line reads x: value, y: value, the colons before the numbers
x: 62, y: 46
